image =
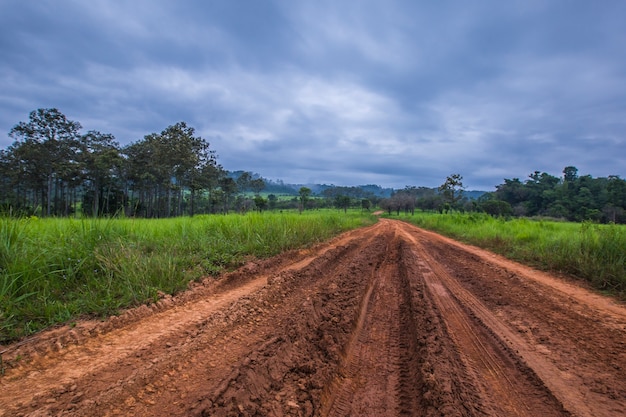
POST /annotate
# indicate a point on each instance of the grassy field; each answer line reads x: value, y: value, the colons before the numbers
x: 596, y: 253
x: 54, y: 270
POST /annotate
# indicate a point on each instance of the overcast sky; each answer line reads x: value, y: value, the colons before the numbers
x: 388, y: 92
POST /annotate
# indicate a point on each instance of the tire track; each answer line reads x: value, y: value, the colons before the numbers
x: 372, y: 380
x: 484, y: 345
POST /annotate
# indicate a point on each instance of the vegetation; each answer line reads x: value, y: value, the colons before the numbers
x: 596, y: 253
x: 53, y: 270
x: 53, y: 170
x: 572, y: 197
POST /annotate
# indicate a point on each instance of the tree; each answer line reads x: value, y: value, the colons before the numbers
x: 452, y: 189
x: 272, y: 201
x: 11, y: 198
x: 257, y: 185
x: 342, y: 202
x: 495, y: 207
x: 164, y: 168
x: 102, y: 164
x: 182, y: 157
x: 541, y: 194
x: 304, y: 194
x: 48, y: 145
x: 243, y: 182
x: 260, y: 203
x: 402, y: 200
x: 616, y: 204
x: 228, y: 187
x: 512, y: 191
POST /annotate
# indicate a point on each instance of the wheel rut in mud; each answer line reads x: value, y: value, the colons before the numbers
x: 388, y: 320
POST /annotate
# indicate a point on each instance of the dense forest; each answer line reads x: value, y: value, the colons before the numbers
x: 570, y: 197
x: 52, y: 169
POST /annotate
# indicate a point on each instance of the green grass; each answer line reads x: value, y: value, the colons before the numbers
x: 596, y: 253
x: 54, y: 270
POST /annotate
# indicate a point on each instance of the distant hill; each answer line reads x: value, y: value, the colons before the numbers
x: 352, y: 191
x: 473, y: 194
x: 281, y: 188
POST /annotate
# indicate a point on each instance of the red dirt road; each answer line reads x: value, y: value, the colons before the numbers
x: 387, y: 320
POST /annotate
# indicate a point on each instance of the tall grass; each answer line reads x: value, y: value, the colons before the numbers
x: 596, y: 253
x: 53, y: 270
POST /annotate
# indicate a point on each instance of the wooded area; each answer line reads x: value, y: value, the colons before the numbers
x: 53, y: 170
x: 571, y: 197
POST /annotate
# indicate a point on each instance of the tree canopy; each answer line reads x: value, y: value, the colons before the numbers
x: 571, y: 197
x: 52, y: 169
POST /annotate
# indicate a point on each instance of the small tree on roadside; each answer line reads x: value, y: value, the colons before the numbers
x: 304, y: 193
x: 452, y: 190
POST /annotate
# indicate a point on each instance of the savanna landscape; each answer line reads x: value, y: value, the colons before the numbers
x: 149, y: 281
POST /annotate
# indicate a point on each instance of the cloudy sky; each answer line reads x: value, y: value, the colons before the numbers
x: 391, y: 92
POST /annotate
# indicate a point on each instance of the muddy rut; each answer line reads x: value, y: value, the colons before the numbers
x: 388, y: 320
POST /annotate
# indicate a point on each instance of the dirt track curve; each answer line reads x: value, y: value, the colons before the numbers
x: 387, y: 320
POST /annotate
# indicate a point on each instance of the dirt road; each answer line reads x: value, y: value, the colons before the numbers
x: 388, y: 320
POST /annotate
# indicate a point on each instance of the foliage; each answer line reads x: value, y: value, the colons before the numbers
x: 53, y: 270
x: 53, y: 170
x: 596, y: 253
x: 452, y: 190
x: 304, y: 193
x: 573, y: 197
x: 342, y: 202
x: 43, y: 161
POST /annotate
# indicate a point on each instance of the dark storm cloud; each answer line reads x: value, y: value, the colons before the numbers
x: 395, y: 93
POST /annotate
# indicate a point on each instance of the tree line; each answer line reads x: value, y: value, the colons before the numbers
x: 52, y: 169
x: 571, y: 197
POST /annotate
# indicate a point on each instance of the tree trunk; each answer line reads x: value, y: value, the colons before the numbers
x: 96, y: 199
x: 49, y: 202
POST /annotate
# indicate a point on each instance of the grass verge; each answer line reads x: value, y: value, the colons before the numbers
x: 593, y: 252
x: 54, y: 270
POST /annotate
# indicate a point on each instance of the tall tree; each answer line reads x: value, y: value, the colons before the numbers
x: 102, y: 166
x: 228, y: 187
x: 304, y: 194
x: 570, y: 173
x: 49, y: 142
x: 616, y: 201
x: 452, y: 189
